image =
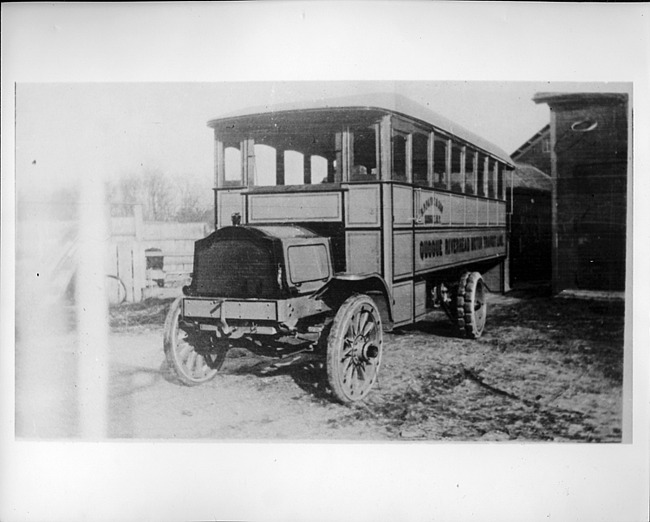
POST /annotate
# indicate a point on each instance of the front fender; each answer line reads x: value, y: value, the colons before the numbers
x: 341, y: 286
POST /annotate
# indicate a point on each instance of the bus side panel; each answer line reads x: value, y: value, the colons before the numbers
x: 440, y: 208
x: 457, y: 209
x: 402, y: 206
x: 363, y: 251
x: 471, y: 209
x: 227, y: 204
x: 501, y: 212
x: 294, y: 208
x: 403, y: 303
x: 494, y: 212
x: 483, y: 212
x: 402, y: 253
x: 387, y: 233
x: 362, y: 206
x: 444, y: 210
x: 420, y: 290
x: 440, y: 248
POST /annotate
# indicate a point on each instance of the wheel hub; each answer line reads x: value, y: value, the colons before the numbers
x: 363, y: 351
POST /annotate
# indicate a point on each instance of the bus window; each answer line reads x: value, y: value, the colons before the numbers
x: 480, y: 175
x: 399, y: 156
x: 292, y: 155
x: 294, y: 167
x: 233, y: 166
x: 470, y: 174
x: 501, y: 193
x: 457, y: 181
x: 319, y: 169
x: 440, y: 163
x: 490, y: 176
x: 265, y: 165
x: 420, y: 158
x: 364, y: 154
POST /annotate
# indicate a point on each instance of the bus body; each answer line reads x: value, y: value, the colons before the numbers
x: 358, y: 215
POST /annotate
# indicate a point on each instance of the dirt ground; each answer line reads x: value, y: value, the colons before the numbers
x: 546, y: 369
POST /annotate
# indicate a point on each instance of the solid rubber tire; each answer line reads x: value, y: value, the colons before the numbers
x: 460, y: 302
x: 474, y: 317
x: 171, y: 349
x: 335, y: 343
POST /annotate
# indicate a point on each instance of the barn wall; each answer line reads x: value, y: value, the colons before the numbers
x: 530, y: 236
x: 590, y: 187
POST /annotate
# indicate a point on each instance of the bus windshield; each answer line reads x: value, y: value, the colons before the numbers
x: 297, y: 153
x: 283, y: 155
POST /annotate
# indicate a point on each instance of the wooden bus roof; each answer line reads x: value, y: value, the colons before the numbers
x: 379, y: 103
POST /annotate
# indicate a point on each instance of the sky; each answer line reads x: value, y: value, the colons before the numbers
x: 68, y: 130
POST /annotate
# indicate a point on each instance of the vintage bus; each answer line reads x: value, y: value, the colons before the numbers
x: 334, y: 222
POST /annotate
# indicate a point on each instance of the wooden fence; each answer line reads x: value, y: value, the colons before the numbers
x: 132, y: 239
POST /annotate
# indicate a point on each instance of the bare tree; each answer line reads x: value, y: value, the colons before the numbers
x: 162, y: 199
x: 158, y: 196
x: 194, y: 206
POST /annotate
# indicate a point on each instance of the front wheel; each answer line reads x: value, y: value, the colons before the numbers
x: 354, y: 349
x: 193, y: 356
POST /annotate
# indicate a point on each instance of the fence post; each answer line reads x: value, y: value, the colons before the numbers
x: 137, y: 255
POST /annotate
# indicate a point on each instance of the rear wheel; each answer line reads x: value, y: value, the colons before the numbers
x: 194, y: 357
x: 445, y: 295
x: 474, y: 305
x: 459, y: 300
x: 354, y: 349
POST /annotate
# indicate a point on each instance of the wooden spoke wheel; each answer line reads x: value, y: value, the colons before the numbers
x: 194, y: 357
x: 354, y: 349
x: 471, y: 304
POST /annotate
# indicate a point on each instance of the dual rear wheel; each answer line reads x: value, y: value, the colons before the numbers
x: 471, y: 305
x: 465, y: 303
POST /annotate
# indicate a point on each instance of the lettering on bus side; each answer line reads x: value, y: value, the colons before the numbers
x: 430, y: 248
x: 464, y: 246
x: 436, y: 208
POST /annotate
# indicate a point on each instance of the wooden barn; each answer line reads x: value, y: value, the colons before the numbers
x: 589, y: 169
x: 536, y: 151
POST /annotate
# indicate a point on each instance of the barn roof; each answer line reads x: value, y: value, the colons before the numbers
x: 529, y: 177
x: 580, y: 98
x: 384, y: 102
x: 546, y: 130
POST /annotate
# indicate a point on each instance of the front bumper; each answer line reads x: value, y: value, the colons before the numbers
x: 282, y: 311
